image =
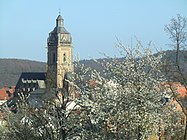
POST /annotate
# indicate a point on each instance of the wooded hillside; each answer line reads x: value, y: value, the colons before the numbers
x: 10, y: 69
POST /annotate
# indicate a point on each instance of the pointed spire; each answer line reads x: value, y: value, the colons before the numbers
x: 59, y: 20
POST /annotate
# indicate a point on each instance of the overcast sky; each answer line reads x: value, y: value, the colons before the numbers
x: 93, y: 24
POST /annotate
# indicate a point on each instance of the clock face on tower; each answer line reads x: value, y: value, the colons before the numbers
x: 64, y: 38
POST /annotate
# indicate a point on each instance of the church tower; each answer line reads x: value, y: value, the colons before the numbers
x: 59, y: 57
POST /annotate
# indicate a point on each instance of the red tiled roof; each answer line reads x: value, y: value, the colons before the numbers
x: 4, y: 95
x: 180, y: 89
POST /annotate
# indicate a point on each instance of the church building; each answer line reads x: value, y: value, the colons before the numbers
x: 59, y: 64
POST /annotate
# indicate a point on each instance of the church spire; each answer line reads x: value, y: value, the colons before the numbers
x: 59, y: 21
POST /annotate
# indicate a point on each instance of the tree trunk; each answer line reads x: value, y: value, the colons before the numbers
x: 139, y: 133
x: 177, y: 53
x: 185, y: 132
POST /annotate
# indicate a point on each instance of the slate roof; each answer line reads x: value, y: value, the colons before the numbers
x: 31, y: 76
x: 35, y: 97
x: 59, y: 30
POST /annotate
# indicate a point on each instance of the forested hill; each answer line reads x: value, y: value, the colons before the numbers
x: 10, y: 69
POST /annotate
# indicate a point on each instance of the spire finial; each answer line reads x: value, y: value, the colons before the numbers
x: 59, y: 11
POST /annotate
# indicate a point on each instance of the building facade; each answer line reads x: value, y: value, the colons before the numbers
x: 59, y: 56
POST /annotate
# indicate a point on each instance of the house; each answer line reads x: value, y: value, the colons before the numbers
x: 175, y: 92
x: 6, y: 93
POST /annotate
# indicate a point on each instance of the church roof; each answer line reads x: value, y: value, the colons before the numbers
x: 41, y: 76
x: 59, y: 30
x: 59, y: 26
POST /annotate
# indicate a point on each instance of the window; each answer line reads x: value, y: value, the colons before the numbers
x: 64, y: 57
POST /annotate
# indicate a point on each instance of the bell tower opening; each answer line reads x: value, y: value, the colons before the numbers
x: 64, y: 57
